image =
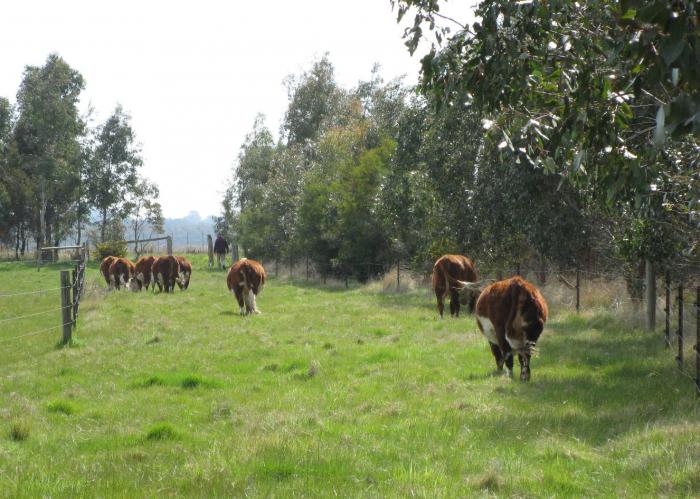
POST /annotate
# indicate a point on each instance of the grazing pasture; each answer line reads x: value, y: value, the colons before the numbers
x: 330, y: 392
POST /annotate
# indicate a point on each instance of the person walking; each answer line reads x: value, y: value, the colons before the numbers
x: 220, y: 248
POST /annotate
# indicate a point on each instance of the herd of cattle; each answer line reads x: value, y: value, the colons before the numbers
x: 245, y: 278
x: 163, y: 271
x: 510, y: 313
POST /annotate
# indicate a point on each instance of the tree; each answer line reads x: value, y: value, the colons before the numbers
x: 5, y: 130
x: 112, y: 169
x: 47, y: 136
x: 313, y: 99
x: 601, y: 94
x: 145, y: 213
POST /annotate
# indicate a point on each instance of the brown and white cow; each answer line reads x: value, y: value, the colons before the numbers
x: 121, y: 272
x: 165, y: 271
x: 142, y: 271
x: 245, y: 279
x: 511, y: 315
x: 449, y: 272
x: 183, y: 280
x: 104, y: 268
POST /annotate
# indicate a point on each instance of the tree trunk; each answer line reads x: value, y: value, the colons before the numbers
x: 103, y: 225
x: 24, y: 241
x: 17, y: 237
x: 136, y: 239
x: 42, y: 221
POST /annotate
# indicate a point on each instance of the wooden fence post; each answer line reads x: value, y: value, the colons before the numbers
x: 74, y: 296
x: 697, y: 340
x: 169, y: 242
x: 650, y: 278
x: 667, y: 335
x: 66, y: 307
x: 578, y: 290
x: 679, y: 358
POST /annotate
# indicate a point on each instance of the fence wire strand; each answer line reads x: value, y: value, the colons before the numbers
x: 34, y: 333
x: 8, y: 319
x: 24, y: 293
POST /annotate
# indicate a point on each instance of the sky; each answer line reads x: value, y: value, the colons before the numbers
x: 193, y: 75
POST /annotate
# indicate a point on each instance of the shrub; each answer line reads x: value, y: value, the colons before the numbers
x: 111, y: 248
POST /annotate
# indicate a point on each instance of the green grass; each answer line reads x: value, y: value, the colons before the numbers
x: 330, y: 392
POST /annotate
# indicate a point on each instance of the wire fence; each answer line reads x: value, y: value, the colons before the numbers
x: 675, y: 300
x: 62, y: 301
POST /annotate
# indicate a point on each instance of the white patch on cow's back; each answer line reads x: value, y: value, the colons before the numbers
x: 487, y: 328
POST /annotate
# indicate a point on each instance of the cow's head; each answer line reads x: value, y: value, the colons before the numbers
x: 469, y: 292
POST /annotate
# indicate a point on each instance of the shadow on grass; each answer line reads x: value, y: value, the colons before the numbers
x: 609, y: 382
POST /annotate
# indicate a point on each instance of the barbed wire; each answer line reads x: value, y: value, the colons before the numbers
x: 24, y: 293
x: 8, y: 319
x: 34, y: 333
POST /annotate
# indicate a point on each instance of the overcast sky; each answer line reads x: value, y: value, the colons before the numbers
x: 193, y: 75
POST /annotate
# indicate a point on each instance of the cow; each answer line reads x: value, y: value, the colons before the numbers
x: 121, y: 272
x: 142, y: 271
x: 165, y: 271
x: 448, y: 272
x: 104, y: 268
x: 511, y: 315
x: 245, y: 279
x: 183, y: 280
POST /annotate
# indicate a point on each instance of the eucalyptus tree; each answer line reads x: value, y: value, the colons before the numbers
x: 112, y: 169
x: 5, y: 129
x: 145, y: 214
x: 46, y: 135
x: 600, y: 93
x: 314, y: 97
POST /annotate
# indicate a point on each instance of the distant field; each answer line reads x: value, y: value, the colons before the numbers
x: 328, y: 392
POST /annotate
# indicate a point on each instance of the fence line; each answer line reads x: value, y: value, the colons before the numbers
x: 71, y: 291
x: 31, y: 315
x: 24, y: 293
x: 34, y: 333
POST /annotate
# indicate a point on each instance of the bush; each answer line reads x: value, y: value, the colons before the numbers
x: 112, y: 248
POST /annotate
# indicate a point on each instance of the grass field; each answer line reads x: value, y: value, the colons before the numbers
x: 329, y: 392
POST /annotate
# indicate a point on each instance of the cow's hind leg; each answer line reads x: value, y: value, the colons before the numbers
x: 238, y: 293
x: 454, y: 303
x: 508, y: 357
x: 440, y: 295
x: 498, y: 355
x: 524, y: 360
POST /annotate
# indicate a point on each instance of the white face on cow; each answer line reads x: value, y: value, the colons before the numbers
x: 132, y: 285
